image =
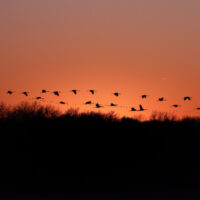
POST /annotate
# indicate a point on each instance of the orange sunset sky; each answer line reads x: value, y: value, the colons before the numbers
x: 134, y: 47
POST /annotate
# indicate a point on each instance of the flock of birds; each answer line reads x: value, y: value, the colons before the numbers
x: 97, y: 105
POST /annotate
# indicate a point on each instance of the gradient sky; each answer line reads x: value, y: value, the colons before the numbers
x: 130, y: 46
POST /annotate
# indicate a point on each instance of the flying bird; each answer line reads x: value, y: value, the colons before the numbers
x: 113, y: 105
x: 56, y: 93
x: 98, y: 106
x: 92, y: 91
x: 133, y: 109
x: 44, y: 91
x: 25, y: 93
x: 39, y: 98
x: 176, y: 105
x: 144, y: 96
x: 162, y: 99
x: 198, y: 108
x: 187, y: 98
x: 116, y: 94
x: 141, y: 108
x: 10, y: 92
x: 62, y: 103
x: 75, y: 91
x: 88, y: 103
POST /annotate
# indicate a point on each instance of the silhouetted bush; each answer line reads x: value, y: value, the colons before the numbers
x: 161, y: 116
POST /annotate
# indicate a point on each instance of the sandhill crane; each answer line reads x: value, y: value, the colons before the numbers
x: 88, y: 103
x: 176, y: 105
x: 44, y: 91
x: 144, y: 96
x: 98, y: 105
x: 141, y: 108
x: 92, y: 91
x: 39, y: 98
x: 10, y: 92
x: 56, y: 93
x: 75, y: 91
x: 162, y: 99
x: 113, y: 105
x: 62, y: 103
x: 25, y: 93
x: 116, y: 94
x: 187, y: 98
x: 133, y: 109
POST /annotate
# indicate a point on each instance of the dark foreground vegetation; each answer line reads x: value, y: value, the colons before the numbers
x: 43, y: 151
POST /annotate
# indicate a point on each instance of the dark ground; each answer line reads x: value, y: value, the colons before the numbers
x: 92, y: 156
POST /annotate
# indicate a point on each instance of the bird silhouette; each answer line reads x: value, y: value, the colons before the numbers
x: 39, y: 98
x: 133, y: 109
x: 113, y: 105
x: 187, y: 98
x: 25, y: 93
x: 198, y: 108
x: 62, y: 103
x: 162, y: 99
x: 88, y: 103
x: 10, y: 92
x: 92, y: 91
x: 144, y: 96
x: 75, y: 91
x: 116, y: 94
x: 56, y: 93
x: 141, y: 108
x: 176, y: 105
x: 98, y: 105
x: 44, y: 91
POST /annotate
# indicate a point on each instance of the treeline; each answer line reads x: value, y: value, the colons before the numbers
x: 44, y: 150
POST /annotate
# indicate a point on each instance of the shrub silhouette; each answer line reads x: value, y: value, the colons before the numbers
x: 44, y: 150
x: 161, y: 116
x: 27, y: 111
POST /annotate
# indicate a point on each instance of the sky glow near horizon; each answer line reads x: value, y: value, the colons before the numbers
x: 133, y: 47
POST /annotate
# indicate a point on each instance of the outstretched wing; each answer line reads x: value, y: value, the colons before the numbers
x: 141, y: 108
